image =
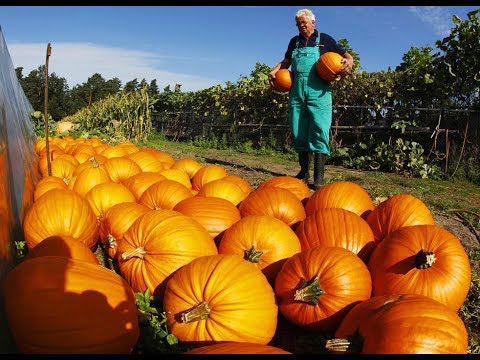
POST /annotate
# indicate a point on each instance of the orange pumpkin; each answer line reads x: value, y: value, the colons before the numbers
x: 214, y: 214
x: 48, y: 183
x: 263, y: 240
x: 178, y: 176
x: 337, y: 227
x: 283, y: 80
x: 223, y: 189
x: 274, y: 201
x: 188, y: 165
x: 329, y: 65
x: 65, y: 246
x: 296, y: 186
x: 206, y: 174
x: 317, y: 287
x: 60, y: 212
x: 341, y: 194
x: 240, y: 181
x: 147, y: 161
x: 121, y: 168
x: 422, y: 259
x: 63, y: 168
x: 396, y: 212
x: 157, y: 244
x: 116, y: 222
x: 89, y: 177
x: 237, y: 348
x: 54, y: 304
x: 401, y: 324
x: 164, y: 194
x: 220, y: 298
x: 103, y: 196
x: 115, y: 151
x: 137, y: 184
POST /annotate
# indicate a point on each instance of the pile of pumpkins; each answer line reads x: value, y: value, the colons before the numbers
x: 226, y: 259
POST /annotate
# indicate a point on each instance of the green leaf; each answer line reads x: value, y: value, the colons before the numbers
x: 172, y: 339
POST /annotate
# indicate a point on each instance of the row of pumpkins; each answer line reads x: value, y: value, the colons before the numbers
x: 225, y: 259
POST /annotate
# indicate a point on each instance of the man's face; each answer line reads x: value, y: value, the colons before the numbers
x: 305, y: 26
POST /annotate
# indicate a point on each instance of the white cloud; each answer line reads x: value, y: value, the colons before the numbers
x: 439, y: 18
x: 76, y: 62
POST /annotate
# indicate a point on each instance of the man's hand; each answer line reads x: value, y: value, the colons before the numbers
x: 271, y: 78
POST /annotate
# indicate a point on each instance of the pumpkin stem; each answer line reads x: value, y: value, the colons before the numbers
x: 111, y: 241
x: 197, y: 313
x: 309, y: 291
x: 253, y: 255
x: 351, y: 344
x: 94, y: 162
x: 138, y: 252
x: 424, y: 259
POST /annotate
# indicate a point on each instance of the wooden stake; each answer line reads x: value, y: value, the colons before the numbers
x: 45, y: 110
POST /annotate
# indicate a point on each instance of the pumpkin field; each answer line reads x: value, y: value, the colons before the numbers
x: 157, y: 247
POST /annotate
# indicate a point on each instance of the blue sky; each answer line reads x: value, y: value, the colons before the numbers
x: 202, y: 46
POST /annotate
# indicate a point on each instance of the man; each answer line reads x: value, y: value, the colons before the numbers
x: 310, y: 98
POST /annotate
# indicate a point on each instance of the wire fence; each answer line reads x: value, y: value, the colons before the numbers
x: 437, y: 127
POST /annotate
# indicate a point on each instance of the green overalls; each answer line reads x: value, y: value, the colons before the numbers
x: 310, y: 102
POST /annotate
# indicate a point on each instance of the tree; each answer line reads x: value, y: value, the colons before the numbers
x: 153, y: 90
x: 459, y: 66
x: 34, y: 88
x: 415, y: 86
x: 131, y: 86
x: 94, y: 89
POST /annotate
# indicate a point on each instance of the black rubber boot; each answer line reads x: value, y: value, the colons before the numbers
x: 318, y: 170
x: 304, y: 161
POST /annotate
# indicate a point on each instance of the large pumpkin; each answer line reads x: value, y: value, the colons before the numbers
x: 223, y: 189
x: 116, y: 222
x: 220, y: 298
x: 55, y: 304
x: 317, y: 287
x: 121, y: 168
x: 283, y: 80
x: 341, y: 194
x: 177, y: 175
x: 422, y: 259
x: 277, y: 202
x: 48, y: 183
x: 232, y: 347
x: 147, y: 161
x: 214, y: 214
x: 240, y: 181
x: 206, y: 174
x: 103, y: 196
x: 188, y: 165
x: 60, y: 212
x: 164, y: 194
x: 65, y: 246
x: 329, y: 65
x: 140, y: 182
x: 89, y: 177
x: 396, y: 212
x: 263, y: 240
x: 401, y: 324
x: 157, y: 244
x: 296, y: 186
x: 337, y: 227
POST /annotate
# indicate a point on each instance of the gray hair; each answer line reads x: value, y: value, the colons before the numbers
x: 307, y: 13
